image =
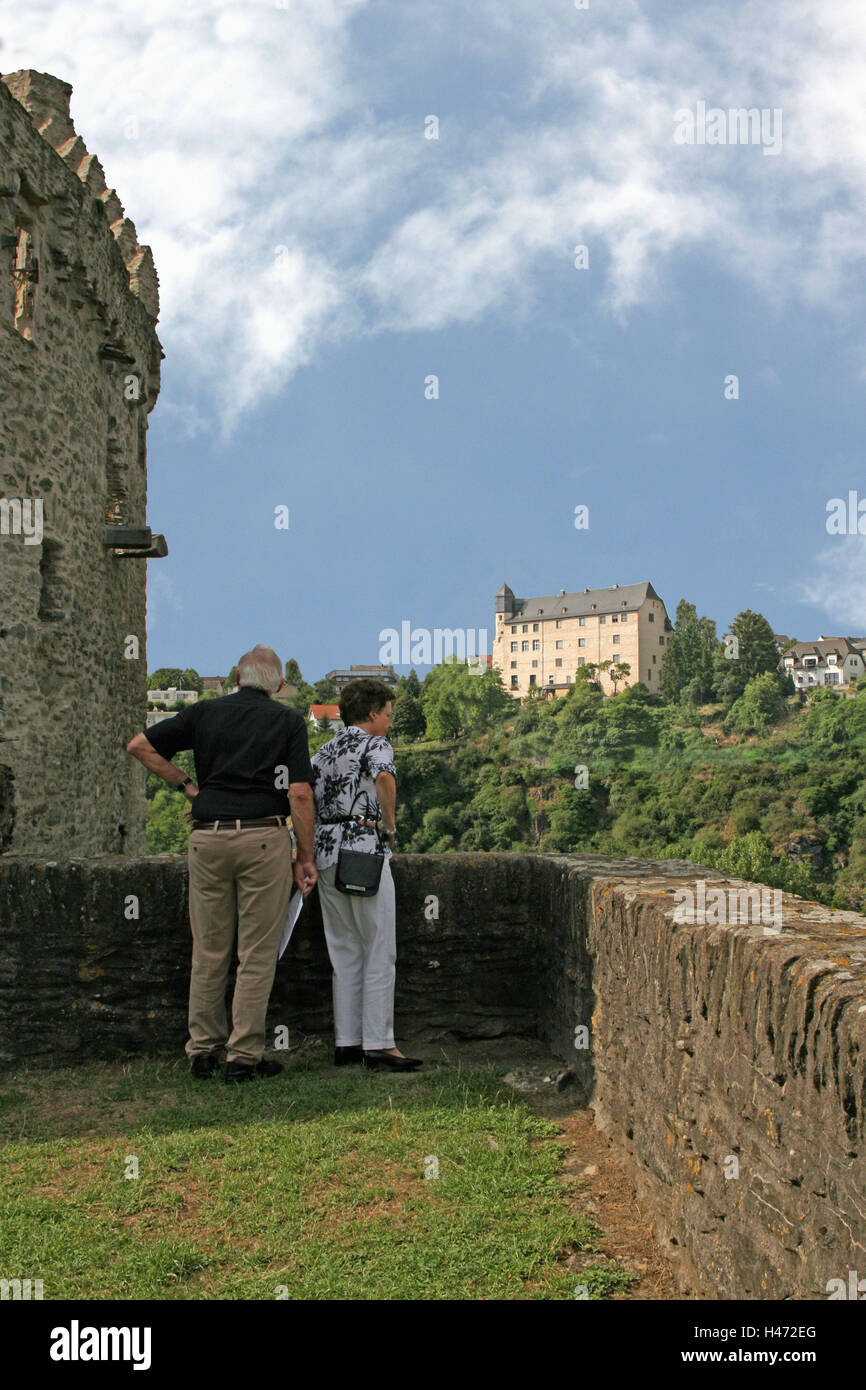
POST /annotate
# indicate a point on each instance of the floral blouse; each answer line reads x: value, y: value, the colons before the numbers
x: 345, y: 770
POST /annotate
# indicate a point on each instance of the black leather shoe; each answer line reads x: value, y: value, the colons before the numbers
x: 344, y: 1056
x: 245, y: 1071
x: 389, y: 1061
x: 203, y: 1065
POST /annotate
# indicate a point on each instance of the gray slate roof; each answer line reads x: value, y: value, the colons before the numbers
x: 611, y: 600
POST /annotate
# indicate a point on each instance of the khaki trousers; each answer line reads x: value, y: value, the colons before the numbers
x: 242, y: 876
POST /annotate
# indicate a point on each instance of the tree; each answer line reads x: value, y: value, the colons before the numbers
x: 752, y: 653
x: 293, y: 672
x: 191, y: 680
x: 688, y: 667
x: 164, y: 678
x: 325, y: 692
x: 619, y: 671
x: 455, y: 700
x: 408, y: 713
x: 761, y: 703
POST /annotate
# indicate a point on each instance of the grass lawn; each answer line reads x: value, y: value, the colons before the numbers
x: 307, y: 1186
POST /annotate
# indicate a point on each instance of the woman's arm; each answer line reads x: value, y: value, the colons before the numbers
x: 386, y: 791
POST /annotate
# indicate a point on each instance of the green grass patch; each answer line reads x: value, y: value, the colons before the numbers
x: 310, y: 1186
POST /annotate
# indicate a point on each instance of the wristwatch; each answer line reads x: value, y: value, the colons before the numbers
x: 185, y: 783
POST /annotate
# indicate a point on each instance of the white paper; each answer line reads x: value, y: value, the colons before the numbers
x: 295, y: 904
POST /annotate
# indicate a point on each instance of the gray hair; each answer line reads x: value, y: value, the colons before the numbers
x: 261, y: 668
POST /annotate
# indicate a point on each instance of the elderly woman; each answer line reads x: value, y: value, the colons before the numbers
x: 355, y: 789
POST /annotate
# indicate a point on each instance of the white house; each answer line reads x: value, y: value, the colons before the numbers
x: 330, y: 712
x: 835, y: 661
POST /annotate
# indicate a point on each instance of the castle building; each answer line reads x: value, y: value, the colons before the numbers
x: 544, y: 641
x: 79, y: 374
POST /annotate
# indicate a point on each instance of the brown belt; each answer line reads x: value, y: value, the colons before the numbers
x: 239, y: 824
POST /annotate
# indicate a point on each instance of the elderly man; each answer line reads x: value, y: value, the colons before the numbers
x: 253, y: 767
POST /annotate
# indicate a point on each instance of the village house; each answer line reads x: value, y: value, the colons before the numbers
x: 318, y: 713
x: 838, y: 661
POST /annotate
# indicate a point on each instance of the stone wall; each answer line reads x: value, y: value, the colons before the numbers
x: 79, y: 372
x: 729, y: 1064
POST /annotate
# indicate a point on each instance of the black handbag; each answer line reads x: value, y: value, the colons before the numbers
x: 359, y: 872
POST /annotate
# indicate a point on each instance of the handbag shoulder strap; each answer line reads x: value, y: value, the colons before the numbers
x: 360, y: 768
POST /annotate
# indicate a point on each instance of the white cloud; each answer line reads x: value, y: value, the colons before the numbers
x: 837, y: 585
x: 261, y: 127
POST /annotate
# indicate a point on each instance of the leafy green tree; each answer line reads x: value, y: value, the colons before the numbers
x: 455, y: 700
x: 191, y: 680
x: 325, y: 692
x: 293, y: 672
x: 572, y: 821
x: 762, y: 703
x: 165, y: 678
x: 619, y: 671
x: 408, y: 712
x: 688, y: 671
x: 756, y: 653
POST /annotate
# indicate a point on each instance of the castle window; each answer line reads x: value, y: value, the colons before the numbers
x: 558, y: 661
x: 513, y: 664
x: 622, y: 617
x: 616, y: 638
x: 524, y: 646
x: 652, y: 617
x: 513, y: 682
x: 581, y: 622
x: 532, y: 680
x: 25, y: 277
x: 115, y: 479
x: 581, y: 641
x: 51, y: 591
x: 559, y: 622
x: 535, y: 627
x: 535, y: 663
x: 559, y: 645
x: 581, y: 661
x: 601, y: 618
x: 514, y: 627
x: 536, y: 645
x: 514, y: 646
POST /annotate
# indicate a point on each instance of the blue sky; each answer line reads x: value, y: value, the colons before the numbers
x: 319, y: 258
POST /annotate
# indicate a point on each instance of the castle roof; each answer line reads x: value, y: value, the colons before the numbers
x: 584, y: 602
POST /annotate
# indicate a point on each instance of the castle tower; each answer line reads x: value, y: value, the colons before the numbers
x: 79, y: 373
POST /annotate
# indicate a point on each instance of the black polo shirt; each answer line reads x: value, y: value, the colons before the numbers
x: 247, y: 749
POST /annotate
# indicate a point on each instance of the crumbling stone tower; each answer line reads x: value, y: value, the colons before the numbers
x: 79, y: 373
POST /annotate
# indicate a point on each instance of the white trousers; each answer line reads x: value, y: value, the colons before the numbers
x: 362, y: 944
